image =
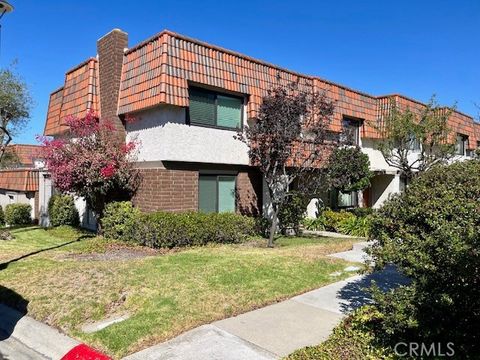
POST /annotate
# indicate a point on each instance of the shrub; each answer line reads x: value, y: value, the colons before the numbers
x: 356, y: 226
x: 62, y: 211
x: 362, y: 211
x: 262, y: 226
x: 332, y: 219
x: 292, y: 212
x: 352, y: 339
x: 2, y: 216
x: 314, y: 224
x: 431, y: 233
x: 18, y: 214
x: 166, y: 229
x: 118, y: 217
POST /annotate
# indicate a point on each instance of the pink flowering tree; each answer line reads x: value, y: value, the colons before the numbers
x: 91, y: 161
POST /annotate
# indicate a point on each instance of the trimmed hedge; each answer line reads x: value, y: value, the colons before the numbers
x: 118, y: 217
x: 169, y: 230
x: 18, y: 214
x: 62, y: 211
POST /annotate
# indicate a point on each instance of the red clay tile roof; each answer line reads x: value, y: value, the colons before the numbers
x: 160, y: 69
x: 52, y: 125
x: 19, y: 180
x: 26, y: 153
x: 75, y: 98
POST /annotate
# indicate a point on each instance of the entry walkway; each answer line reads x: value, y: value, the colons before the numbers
x: 276, y: 330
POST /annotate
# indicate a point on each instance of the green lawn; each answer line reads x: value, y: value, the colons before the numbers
x: 166, y: 293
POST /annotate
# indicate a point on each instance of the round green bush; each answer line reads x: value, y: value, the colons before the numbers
x: 292, y: 212
x: 18, y: 214
x: 62, y: 211
x: 431, y: 232
x: 117, y: 220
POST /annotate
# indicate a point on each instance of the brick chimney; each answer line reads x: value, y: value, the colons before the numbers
x: 110, y: 50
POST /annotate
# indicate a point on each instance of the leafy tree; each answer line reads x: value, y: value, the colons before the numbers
x: 348, y: 169
x: 414, y: 142
x: 15, y: 106
x: 91, y: 162
x: 431, y: 233
x: 10, y: 159
x: 288, y: 138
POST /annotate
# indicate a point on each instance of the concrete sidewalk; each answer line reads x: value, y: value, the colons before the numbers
x: 23, y: 338
x: 276, y: 330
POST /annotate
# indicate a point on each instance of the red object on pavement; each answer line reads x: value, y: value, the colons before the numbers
x: 84, y: 352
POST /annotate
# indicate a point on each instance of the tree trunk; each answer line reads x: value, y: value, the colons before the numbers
x: 273, y: 227
x: 98, y: 219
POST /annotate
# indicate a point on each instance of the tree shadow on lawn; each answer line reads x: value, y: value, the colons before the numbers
x: 355, y: 294
x: 5, y: 265
x: 13, y: 307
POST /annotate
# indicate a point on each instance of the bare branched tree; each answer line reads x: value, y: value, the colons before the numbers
x: 413, y: 142
x: 288, y: 138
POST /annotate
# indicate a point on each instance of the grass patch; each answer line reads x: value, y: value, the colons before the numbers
x: 166, y: 294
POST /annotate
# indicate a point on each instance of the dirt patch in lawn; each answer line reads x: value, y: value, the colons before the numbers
x: 116, y: 253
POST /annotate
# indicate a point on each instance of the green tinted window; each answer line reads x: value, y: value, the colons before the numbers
x: 216, y: 193
x: 226, y: 194
x: 207, y: 193
x: 229, y: 111
x: 202, y: 107
x: 213, y: 109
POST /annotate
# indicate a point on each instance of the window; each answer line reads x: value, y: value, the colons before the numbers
x: 413, y: 143
x: 347, y: 200
x: 209, y: 108
x: 461, y: 145
x: 216, y: 193
x: 351, y: 131
x: 339, y: 199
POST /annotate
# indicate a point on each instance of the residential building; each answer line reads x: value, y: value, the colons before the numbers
x: 188, y: 99
x: 19, y: 177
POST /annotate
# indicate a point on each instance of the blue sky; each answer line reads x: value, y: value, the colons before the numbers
x: 415, y: 48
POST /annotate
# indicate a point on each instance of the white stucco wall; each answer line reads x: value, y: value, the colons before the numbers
x: 164, y: 136
x: 17, y: 197
x: 377, y: 161
x: 382, y: 187
x: 87, y: 219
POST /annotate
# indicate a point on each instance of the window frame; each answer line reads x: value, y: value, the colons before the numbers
x: 464, y: 145
x: 335, y: 198
x: 217, y: 176
x: 216, y: 94
x: 356, y: 124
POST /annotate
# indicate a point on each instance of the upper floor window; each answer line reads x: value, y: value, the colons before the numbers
x: 461, y: 145
x: 351, y: 131
x: 210, y: 108
x: 413, y: 143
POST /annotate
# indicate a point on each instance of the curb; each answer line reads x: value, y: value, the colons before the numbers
x: 40, y: 337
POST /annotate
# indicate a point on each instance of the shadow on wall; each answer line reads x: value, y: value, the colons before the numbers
x: 355, y: 294
x: 10, y: 300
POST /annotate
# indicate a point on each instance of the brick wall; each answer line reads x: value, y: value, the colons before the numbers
x: 167, y: 190
x: 110, y: 50
x: 249, y: 193
x: 177, y: 190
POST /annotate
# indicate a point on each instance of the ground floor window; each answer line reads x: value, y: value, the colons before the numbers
x: 216, y: 193
x: 344, y: 200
